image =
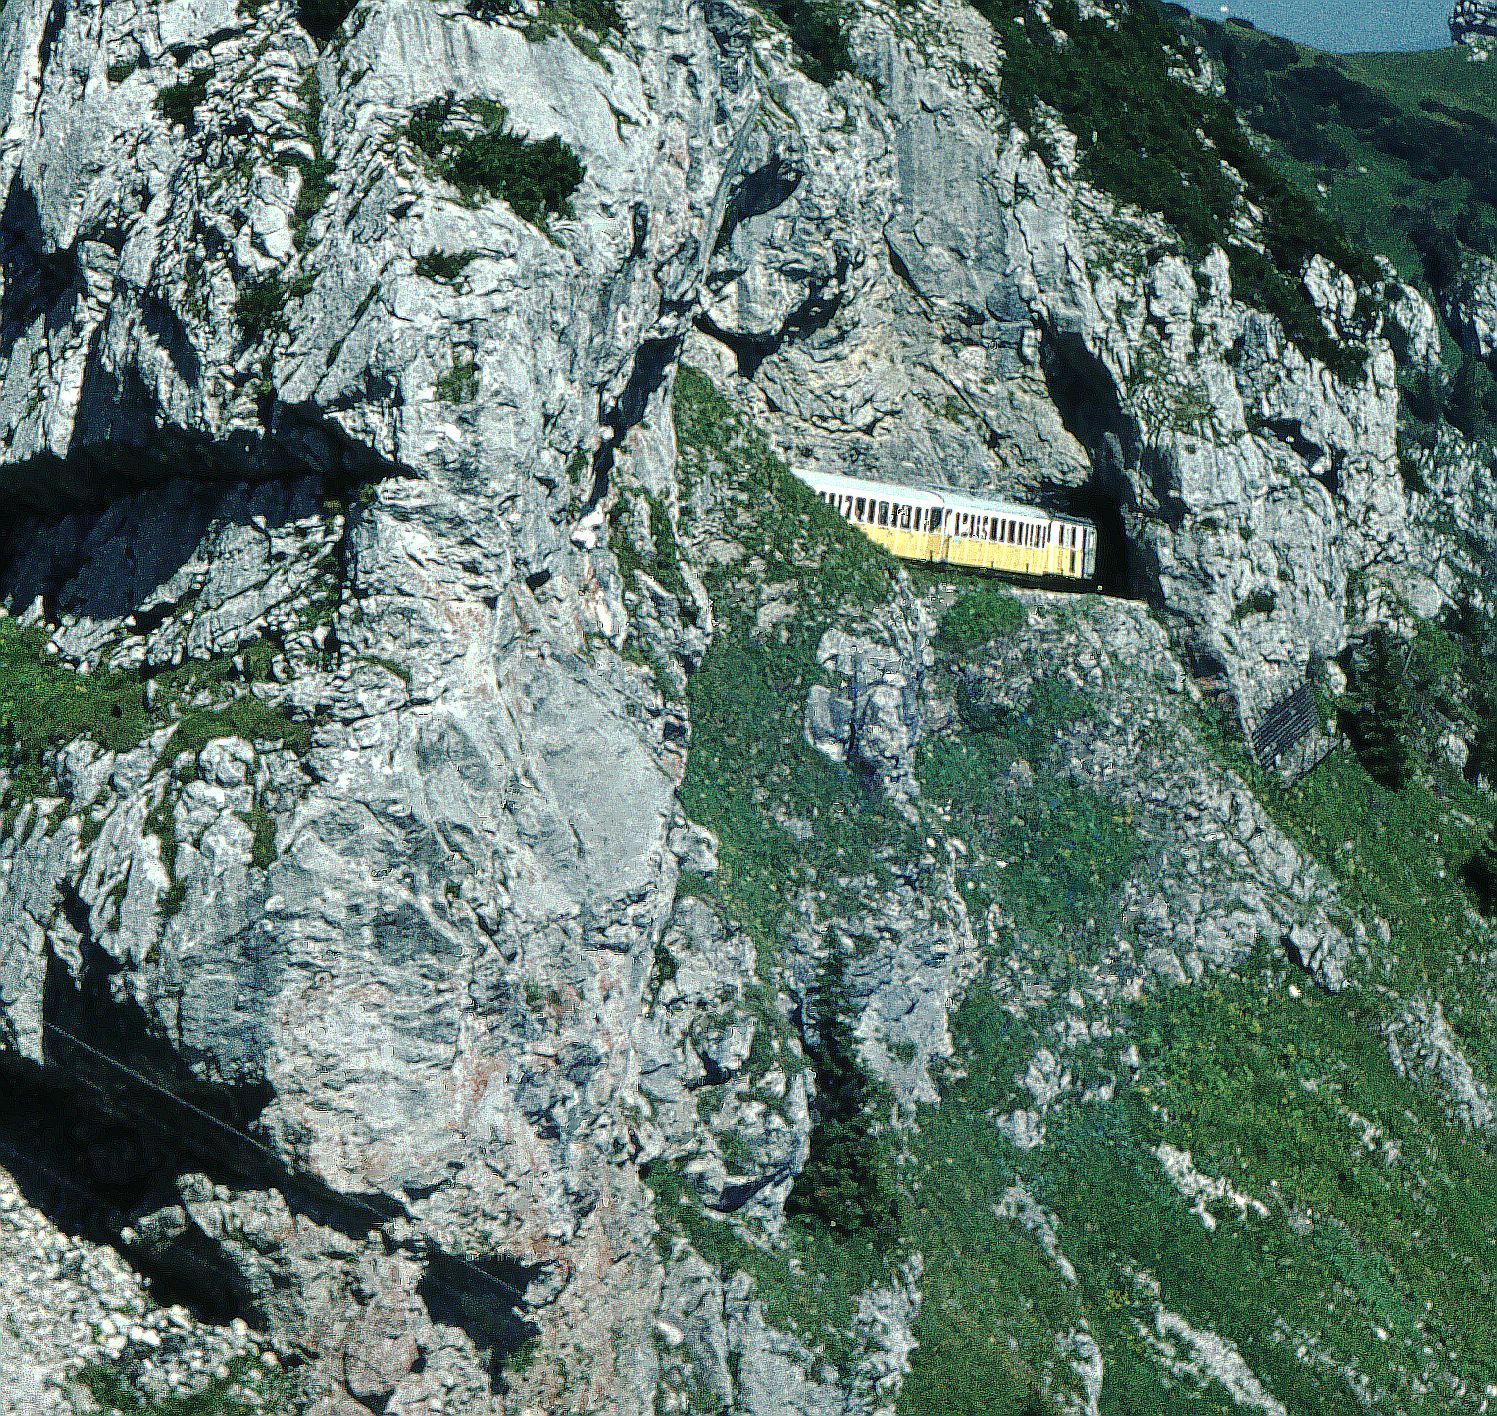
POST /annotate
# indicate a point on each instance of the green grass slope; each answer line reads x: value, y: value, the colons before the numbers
x: 1355, y: 1269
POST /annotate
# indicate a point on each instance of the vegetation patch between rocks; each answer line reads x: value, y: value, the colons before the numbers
x: 750, y: 776
x: 45, y: 704
x: 584, y: 22
x: 475, y: 148
x: 248, y: 1390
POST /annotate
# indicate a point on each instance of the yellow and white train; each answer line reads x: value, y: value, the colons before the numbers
x: 958, y: 528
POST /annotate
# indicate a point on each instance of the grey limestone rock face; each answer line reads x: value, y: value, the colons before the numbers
x: 395, y: 951
x: 387, y: 961
x: 1473, y: 22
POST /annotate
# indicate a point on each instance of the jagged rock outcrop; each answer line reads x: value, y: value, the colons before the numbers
x: 1472, y: 307
x: 1420, y: 1038
x: 1473, y: 22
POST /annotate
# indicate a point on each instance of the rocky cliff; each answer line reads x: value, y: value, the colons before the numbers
x: 1473, y: 22
x: 507, y: 905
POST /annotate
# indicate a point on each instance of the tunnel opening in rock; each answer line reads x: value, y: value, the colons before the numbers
x: 1084, y: 395
x: 1114, y: 574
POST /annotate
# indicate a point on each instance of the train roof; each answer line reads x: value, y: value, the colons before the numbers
x: 931, y: 496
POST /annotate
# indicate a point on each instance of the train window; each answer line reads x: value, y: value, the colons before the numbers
x: 857, y: 509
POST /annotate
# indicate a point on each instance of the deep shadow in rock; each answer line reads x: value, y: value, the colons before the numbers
x: 1084, y: 395
x: 101, y: 1135
x: 1479, y: 875
x: 1115, y: 574
x: 92, y: 1173
x: 108, y: 564
x: 486, y: 1299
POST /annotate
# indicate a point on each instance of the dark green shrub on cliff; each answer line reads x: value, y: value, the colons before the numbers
x: 537, y: 179
x: 1403, y: 695
x: 979, y: 616
x: 1382, y: 715
x: 845, y: 1184
x: 178, y: 103
x: 322, y: 19
x: 260, y: 307
x: 1470, y: 403
x: 819, y: 32
x: 1480, y: 876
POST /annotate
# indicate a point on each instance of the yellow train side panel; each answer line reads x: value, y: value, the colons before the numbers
x: 974, y: 554
x: 996, y: 555
x: 908, y: 545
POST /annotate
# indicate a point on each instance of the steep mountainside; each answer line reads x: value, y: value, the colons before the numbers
x: 507, y: 904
